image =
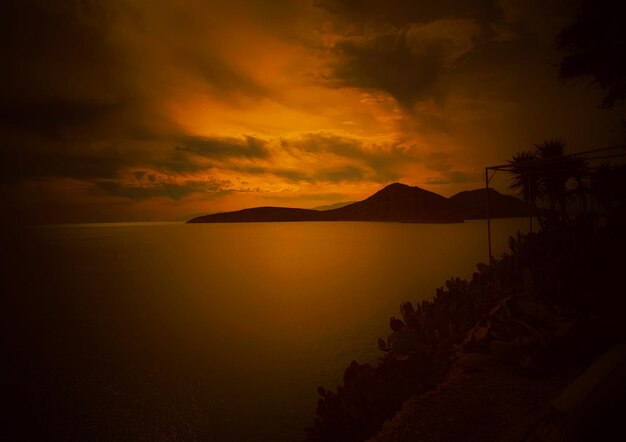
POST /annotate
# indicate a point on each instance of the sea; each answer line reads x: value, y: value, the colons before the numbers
x: 212, y: 332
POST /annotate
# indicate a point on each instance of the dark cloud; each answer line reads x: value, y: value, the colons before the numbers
x: 209, y: 189
x: 178, y: 163
x: 331, y: 175
x: 68, y: 108
x: 439, y: 161
x: 25, y: 159
x: 316, y: 196
x: 383, y: 160
x: 222, y: 77
x: 417, y: 50
x: 455, y: 177
x: 220, y: 148
x: 75, y: 76
x: 341, y: 174
x: 405, y: 48
x: 291, y: 175
x: 400, y: 12
x: 50, y: 118
x: 365, y: 163
x: 51, y: 49
x: 385, y: 62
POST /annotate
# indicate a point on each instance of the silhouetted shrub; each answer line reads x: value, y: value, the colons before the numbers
x: 554, y: 298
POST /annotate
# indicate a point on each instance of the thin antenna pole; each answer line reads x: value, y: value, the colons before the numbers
x: 530, y: 202
x: 488, y: 214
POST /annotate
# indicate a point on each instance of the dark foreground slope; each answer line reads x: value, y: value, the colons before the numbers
x: 484, y: 358
x: 396, y: 203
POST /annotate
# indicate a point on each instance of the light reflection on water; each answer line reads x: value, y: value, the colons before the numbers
x: 220, y: 331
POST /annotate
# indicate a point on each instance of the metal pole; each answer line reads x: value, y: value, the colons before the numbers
x: 530, y: 202
x: 488, y: 214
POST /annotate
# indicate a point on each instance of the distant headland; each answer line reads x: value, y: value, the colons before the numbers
x: 396, y: 202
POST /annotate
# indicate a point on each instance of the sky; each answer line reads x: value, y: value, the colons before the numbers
x: 130, y: 110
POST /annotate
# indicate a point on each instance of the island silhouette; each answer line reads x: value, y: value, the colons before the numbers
x: 396, y: 202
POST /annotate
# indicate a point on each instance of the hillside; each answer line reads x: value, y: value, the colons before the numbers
x: 260, y: 214
x: 399, y: 202
x: 471, y: 204
x: 332, y: 206
x: 394, y: 203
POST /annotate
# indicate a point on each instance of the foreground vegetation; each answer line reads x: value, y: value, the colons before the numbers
x: 550, y: 305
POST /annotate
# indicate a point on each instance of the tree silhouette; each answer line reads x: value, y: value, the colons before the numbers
x: 525, y: 178
x: 542, y: 174
x: 582, y: 189
x: 602, y: 186
x: 554, y: 171
x: 608, y: 185
x: 595, y: 48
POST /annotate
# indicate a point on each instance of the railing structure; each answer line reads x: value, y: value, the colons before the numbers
x: 543, y: 166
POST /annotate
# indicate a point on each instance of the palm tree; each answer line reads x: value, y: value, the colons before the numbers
x: 580, y: 192
x: 601, y: 186
x: 553, y: 174
x: 525, y: 177
x: 578, y: 170
x: 608, y: 184
x: 542, y: 174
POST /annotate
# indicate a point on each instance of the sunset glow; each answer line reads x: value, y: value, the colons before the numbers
x: 313, y: 220
x: 124, y: 110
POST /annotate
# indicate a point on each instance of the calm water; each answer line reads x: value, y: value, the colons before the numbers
x: 210, y: 331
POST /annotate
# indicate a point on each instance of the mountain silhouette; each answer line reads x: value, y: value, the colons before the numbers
x: 332, y: 206
x: 395, y: 203
x: 471, y: 204
x: 398, y: 202
x: 261, y: 214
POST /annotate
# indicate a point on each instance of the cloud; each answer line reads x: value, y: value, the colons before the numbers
x: 60, y: 68
x: 319, y: 158
x: 455, y: 177
x: 306, y: 197
x: 119, y: 105
x: 375, y: 162
x: 50, y: 117
x: 224, y: 78
x: 341, y: 174
x: 334, y: 175
x: 384, y: 62
x: 375, y: 155
x: 178, y: 163
x: 402, y: 12
x: 25, y: 159
x: 418, y: 51
x: 453, y: 37
x: 407, y: 62
x: 219, y: 148
x: 155, y: 188
x: 439, y: 161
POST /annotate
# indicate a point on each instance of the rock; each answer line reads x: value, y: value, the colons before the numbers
x: 478, y: 333
x: 395, y: 324
x: 382, y: 346
x: 473, y: 362
x: 404, y: 341
x: 506, y: 351
x: 536, y: 311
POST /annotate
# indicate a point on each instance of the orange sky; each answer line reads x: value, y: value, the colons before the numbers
x: 133, y: 110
